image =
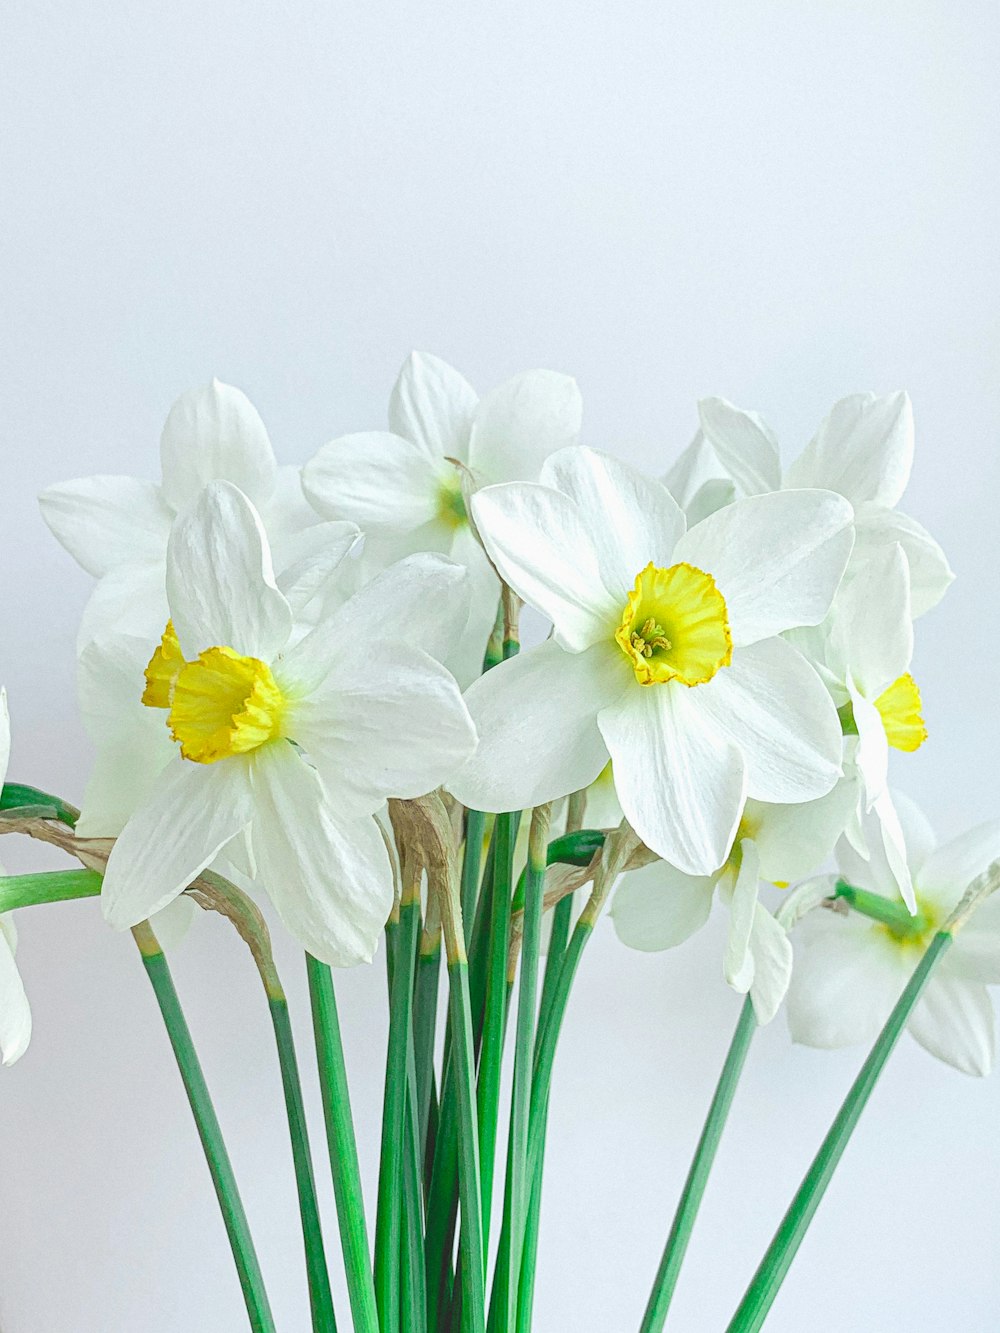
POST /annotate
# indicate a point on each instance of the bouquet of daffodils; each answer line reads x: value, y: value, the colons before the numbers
x: 307, y: 686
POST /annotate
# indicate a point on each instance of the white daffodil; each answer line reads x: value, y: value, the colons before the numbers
x: 863, y: 451
x: 403, y: 488
x: 117, y: 527
x: 850, y: 970
x: 15, y: 1013
x: 658, y: 907
x: 289, y: 748
x: 664, y: 655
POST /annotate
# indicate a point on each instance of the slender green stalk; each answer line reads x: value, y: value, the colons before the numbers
x: 320, y: 1296
x: 759, y: 1297
x: 472, y: 1249
x: 209, y: 1131
x: 472, y: 854
x: 697, y: 1178
x: 343, y: 1148
x: 895, y: 915
x: 390, y: 1181
x: 54, y: 886
x: 28, y: 802
x: 519, y: 1180
x: 425, y: 1004
x: 413, y: 1289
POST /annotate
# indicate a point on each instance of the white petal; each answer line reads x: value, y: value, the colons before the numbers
x: 772, y: 965
x: 329, y: 879
x: 123, y: 777
x: 894, y: 847
x: 872, y: 752
x: 465, y: 650
x: 536, y: 716
x: 772, y: 705
x: 382, y: 482
x: 519, y: 423
x: 871, y: 633
x: 778, y: 559
x: 433, y: 405
x: 948, y: 872
x: 420, y: 602
x: 659, y: 907
x: 305, y: 561
x: 632, y: 520
x: 192, y: 812
x: 681, y: 785
x: 954, y: 1021
x: 220, y: 583
x: 541, y: 544
x: 745, y: 446
x: 15, y: 1013
x: 131, y: 599
x: 172, y: 923
x: 845, y: 981
x: 738, y: 961
x: 387, y: 721
x: 287, y: 511
x: 696, y: 466
x: 707, y: 499
x: 794, y: 840
x: 864, y: 450
x: 215, y: 434
x: 976, y: 951
x: 105, y: 522
x: 930, y: 573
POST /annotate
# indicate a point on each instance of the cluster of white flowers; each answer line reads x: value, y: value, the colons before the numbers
x: 269, y: 654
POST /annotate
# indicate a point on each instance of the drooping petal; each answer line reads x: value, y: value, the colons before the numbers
x: 15, y: 1012
x: 329, y: 878
x: 948, y: 871
x: 795, y: 839
x: 632, y: 520
x: 771, y: 704
x: 738, y: 960
x: 388, y: 720
x: 659, y: 907
x: 893, y: 839
x: 954, y: 1020
x: 382, y: 482
x: 105, y: 522
x: 743, y: 443
x: 220, y: 583
x: 681, y: 784
x: 171, y: 923
x: 192, y: 812
x: 863, y: 450
x: 930, y: 573
x: 778, y: 559
x: 520, y: 422
x: 541, y: 543
x: 215, y: 434
x: 536, y: 716
x: 872, y: 752
x: 871, y: 634
x: 772, y: 965
x: 433, y: 405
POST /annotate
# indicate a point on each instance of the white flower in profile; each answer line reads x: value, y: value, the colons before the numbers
x: 117, y: 527
x: 850, y: 970
x: 664, y: 656
x: 863, y: 450
x: 403, y: 488
x: 289, y: 748
x: 659, y: 907
x: 15, y: 1013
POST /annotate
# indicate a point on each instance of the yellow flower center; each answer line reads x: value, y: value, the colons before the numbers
x: 451, y: 503
x: 899, y: 707
x: 675, y: 626
x: 221, y: 704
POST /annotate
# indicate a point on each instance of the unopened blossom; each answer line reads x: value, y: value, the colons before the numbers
x: 283, y: 748
x: 117, y: 527
x: 406, y: 487
x: 863, y: 450
x: 15, y: 1013
x: 850, y: 970
x: 658, y: 907
x: 664, y: 654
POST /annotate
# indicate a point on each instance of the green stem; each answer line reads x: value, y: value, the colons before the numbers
x: 697, y: 1178
x: 28, y: 802
x: 425, y: 1003
x: 413, y: 1302
x: 320, y: 1297
x: 343, y: 1148
x: 472, y: 855
x: 892, y: 914
x: 390, y: 1180
x: 774, y: 1266
x: 472, y: 1248
x: 209, y: 1131
x: 55, y: 886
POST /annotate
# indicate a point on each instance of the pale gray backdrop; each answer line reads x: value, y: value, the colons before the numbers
x: 781, y: 203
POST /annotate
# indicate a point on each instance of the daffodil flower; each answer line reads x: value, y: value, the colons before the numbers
x: 117, y: 527
x: 290, y: 747
x: 15, y: 1013
x: 658, y: 907
x: 664, y: 654
x: 403, y: 488
x: 850, y: 970
x: 863, y: 450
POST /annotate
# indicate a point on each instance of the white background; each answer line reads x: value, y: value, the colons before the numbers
x: 780, y: 203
